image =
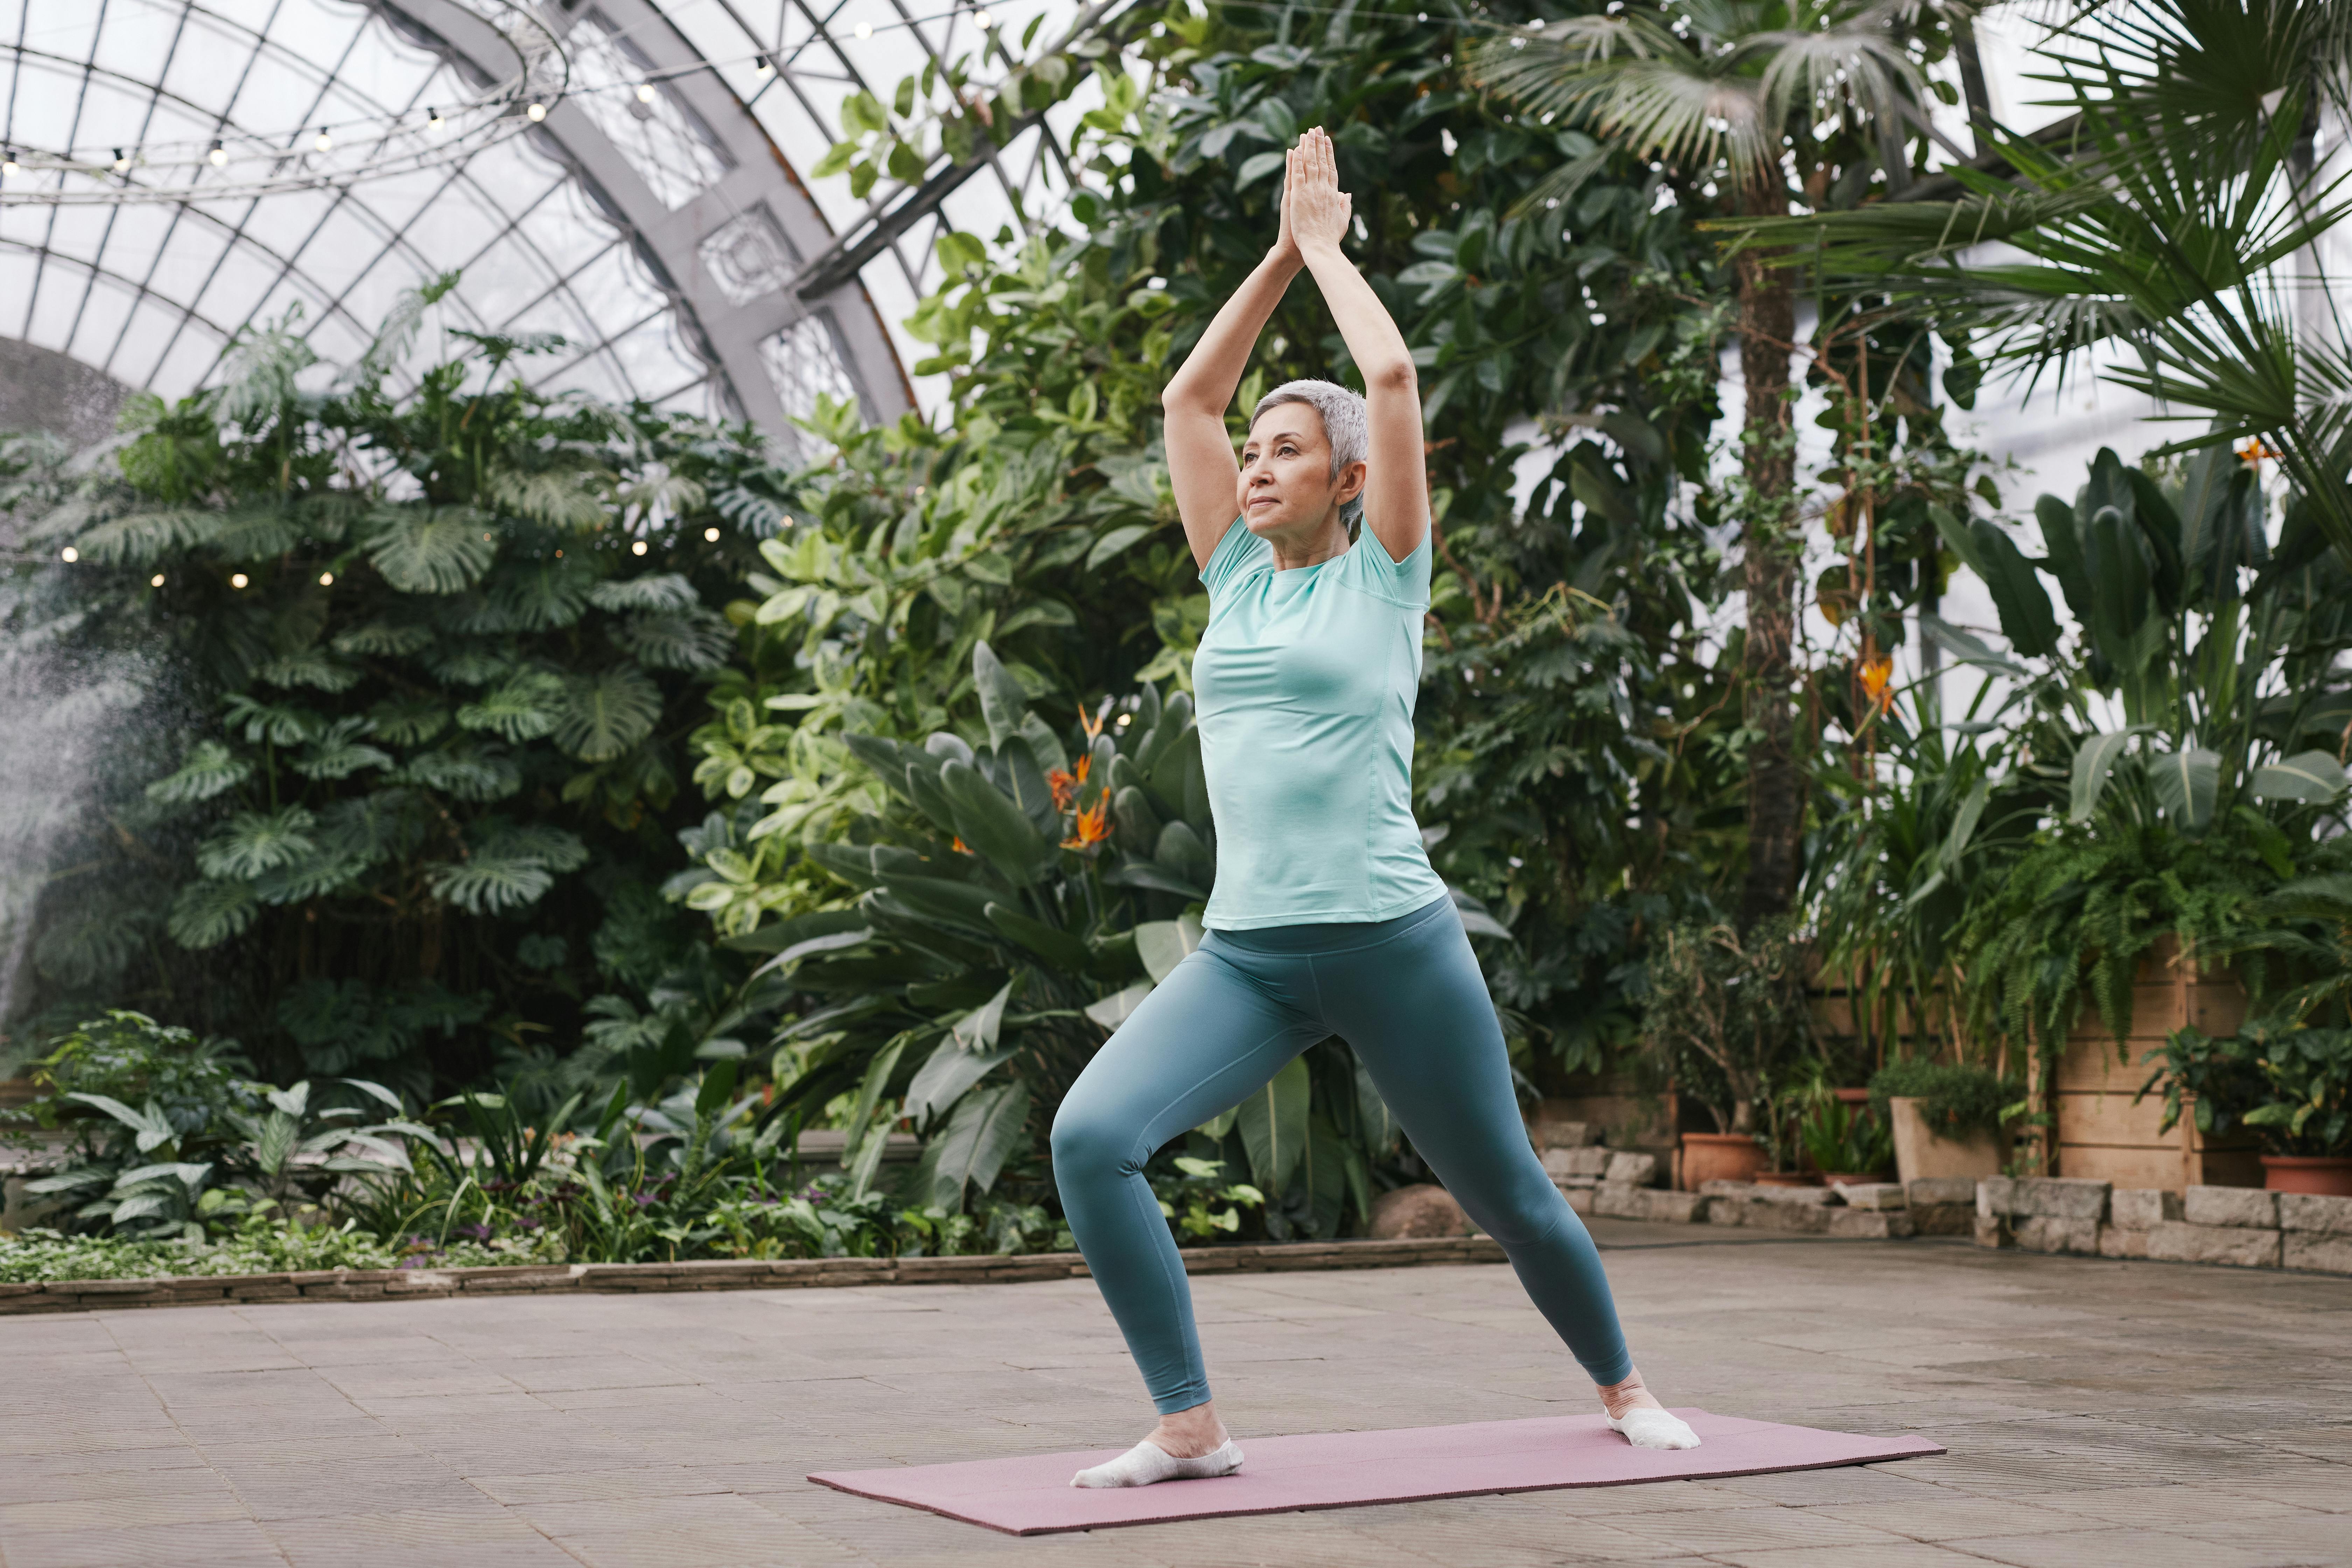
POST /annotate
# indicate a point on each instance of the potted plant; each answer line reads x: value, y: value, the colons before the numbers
x: 1846, y: 1143
x: 1726, y: 1010
x: 1944, y: 1119
x: 2286, y: 1074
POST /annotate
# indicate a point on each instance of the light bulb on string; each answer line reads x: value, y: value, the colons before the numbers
x: 710, y: 534
x: 763, y: 68
x: 537, y: 112
x: 864, y: 29
x: 322, y: 142
x: 433, y: 121
x: 9, y: 167
x: 69, y: 555
x: 983, y: 20
x: 121, y: 162
x: 645, y: 92
x: 218, y: 156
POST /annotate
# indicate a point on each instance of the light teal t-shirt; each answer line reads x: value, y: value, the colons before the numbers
x: 1304, y: 684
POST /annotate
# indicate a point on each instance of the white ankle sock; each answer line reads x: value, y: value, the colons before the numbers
x: 1148, y: 1462
x: 1647, y: 1428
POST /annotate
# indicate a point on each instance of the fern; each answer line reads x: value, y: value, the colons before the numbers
x: 211, y: 769
x: 440, y: 549
x: 604, y: 715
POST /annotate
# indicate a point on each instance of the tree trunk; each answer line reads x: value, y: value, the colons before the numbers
x: 1770, y: 545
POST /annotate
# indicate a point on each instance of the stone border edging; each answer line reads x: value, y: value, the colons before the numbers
x: 729, y: 1274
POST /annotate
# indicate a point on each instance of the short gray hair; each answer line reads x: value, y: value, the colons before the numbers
x: 1345, y: 423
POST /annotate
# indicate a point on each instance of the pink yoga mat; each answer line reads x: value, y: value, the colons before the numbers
x: 1033, y: 1495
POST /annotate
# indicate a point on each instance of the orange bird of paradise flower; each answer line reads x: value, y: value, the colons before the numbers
x: 2253, y: 452
x: 1875, y: 675
x: 1093, y: 825
x: 1065, y: 784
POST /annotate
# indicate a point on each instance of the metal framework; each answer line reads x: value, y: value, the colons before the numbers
x: 649, y: 211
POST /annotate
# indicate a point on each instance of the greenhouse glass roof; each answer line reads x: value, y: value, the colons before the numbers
x: 627, y: 175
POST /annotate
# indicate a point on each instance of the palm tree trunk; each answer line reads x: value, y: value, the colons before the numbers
x: 1770, y: 545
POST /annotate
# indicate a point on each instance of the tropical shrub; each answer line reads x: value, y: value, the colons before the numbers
x: 405, y: 683
x: 1725, y: 1018
x: 1955, y: 1098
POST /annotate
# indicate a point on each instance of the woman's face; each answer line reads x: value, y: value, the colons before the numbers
x: 1288, y: 494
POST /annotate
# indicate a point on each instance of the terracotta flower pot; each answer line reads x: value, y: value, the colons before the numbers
x: 1719, y: 1157
x: 2326, y: 1176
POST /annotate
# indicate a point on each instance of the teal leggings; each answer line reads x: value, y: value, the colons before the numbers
x: 1407, y: 995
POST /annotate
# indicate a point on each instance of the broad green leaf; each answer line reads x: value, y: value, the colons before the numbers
x: 603, y: 715
x: 869, y: 1095
x: 1964, y: 823
x: 2017, y: 593
x: 253, y: 842
x: 2185, y: 783
x: 2092, y: 758
x: 210, y: 769
x: 1273, y: 1123
x: 972, y: 1149
x: 945, y: 1075
x: 1115, y: 541
x: 1052, y: 944
x: 1163, y: 944
x: 1119, y: 1006
x: 431, y: 550
x: 524, y: 709
x: 661, y: 591
x: 1967, y: 648
x: 1002, y: 704
x: 208, y: 913
x: 998, y: 830
x: 977, y: 1030
x: 2313, y: 778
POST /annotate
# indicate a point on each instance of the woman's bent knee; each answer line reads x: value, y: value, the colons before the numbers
x: 1090, y: 1147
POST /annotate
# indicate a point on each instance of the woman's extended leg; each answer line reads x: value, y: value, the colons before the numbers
x: 1416, y: 1010
x: 1205, y: 1040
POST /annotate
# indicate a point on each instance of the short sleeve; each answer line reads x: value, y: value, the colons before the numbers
x: 1236, y: 554
x: 1405, y: 582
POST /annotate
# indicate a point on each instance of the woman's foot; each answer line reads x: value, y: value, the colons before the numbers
x: 1187, y: 1444
x: 1635, y: 1412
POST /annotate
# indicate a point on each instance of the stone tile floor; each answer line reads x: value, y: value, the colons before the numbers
x: 2097, y: 1414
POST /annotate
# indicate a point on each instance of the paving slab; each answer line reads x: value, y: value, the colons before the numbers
x: 2097, y: 1412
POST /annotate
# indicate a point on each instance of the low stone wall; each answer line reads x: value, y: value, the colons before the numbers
x: 2244, y: 1227
x: 784, y: 1274
x: 1880, y: 1212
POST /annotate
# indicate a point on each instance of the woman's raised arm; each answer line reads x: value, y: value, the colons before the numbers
x: 1396, y: 484
x: 1201, y: 466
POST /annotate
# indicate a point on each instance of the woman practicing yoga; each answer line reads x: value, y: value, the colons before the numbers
x: 1326, y: 918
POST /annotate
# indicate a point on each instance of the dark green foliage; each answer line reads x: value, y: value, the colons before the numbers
x: 1726, y: 1016
x: 1955, y: 1098
x: 1841, y: 1140
x: 401, y: 684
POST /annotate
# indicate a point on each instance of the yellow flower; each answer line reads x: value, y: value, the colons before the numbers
x: 1093, y: 825
x: 1877, y: 673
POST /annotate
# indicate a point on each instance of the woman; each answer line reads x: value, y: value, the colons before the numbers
x: 1327, y: 918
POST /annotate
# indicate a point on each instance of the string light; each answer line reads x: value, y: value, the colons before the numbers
x: 638, y: 548
x: 983, y: 20
x: 69, y: 555
x: 218, y: 156
x: 537, y: 111
x: 326, y: 579
x: 711, y: 534
x: 156, y: 581
x: 645, y: 92
x: 322, y: 142
x: 763, y: 68
x: 122, y: 162
x: 237, y: 580
x: 864, y: 29
x: 8, y: 166
x: 433, y: 121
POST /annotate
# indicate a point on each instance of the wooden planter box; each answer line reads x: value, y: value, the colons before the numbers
x: 2102, y: 1135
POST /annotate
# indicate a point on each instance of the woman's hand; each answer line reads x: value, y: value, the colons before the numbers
x: 1314, y: 211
